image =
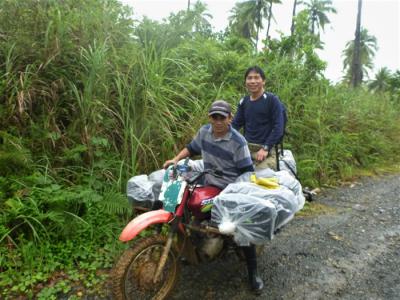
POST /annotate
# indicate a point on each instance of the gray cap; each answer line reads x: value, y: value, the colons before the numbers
x: 220, y: 107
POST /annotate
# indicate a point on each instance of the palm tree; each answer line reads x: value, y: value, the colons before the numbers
x: 242, y: 20
x: 200, y: 18
x: 270, y: 14
x: 295, y: 3
x: 317, y: 11
x: 382, y: 80
x: 247, y: 17
x: 195, y: 20
x: 356, y: 75
x: 368, y: 47
x: 394, y: 84
x: 260, y: 8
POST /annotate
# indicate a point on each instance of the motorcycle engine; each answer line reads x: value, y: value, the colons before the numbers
x: 209, y: 245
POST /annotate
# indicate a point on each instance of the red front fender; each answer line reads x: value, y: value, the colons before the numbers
x: 143, y: 221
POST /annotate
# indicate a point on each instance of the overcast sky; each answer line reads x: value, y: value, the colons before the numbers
x: 380, y: 17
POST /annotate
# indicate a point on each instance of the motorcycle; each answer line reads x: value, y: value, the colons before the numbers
x: 182, y: 231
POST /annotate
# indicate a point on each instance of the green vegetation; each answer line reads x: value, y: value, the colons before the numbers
x: 315, y: 209
x: 368, y: 47
x: 90, y: 97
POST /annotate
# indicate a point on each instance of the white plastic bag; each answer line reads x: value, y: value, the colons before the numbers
x: 287, y: 162
x: 140, y: 188
x: 157, y: 176
x: 196, y: 165
x: 143, y: 190
x: 254, y: 202
x: 249, y: 218
x: 157, y: 179
x: 283, y: 199
x: 286, y: 179
x: 245, y: 177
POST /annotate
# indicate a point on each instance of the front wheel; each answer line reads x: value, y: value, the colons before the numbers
x: 133, y: 275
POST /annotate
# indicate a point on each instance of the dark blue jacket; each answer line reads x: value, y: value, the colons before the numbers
x: 263, y: 120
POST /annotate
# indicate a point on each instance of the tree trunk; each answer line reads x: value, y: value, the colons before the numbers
x: 188, y: 8
x: 356, y: 76
x: 257, y: 39
x: 269, y: 19
x: 293, y: 16
x: 312, y: 25
x: 258, y: 21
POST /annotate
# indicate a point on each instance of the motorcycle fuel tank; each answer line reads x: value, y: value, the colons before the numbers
x: 201, y: 201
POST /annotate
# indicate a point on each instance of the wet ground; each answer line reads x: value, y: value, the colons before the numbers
x: 352, y: 251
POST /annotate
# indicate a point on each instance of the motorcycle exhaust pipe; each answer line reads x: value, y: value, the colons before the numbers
x: 204, y: 229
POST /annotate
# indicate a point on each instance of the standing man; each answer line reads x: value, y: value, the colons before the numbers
x: 225, y: 149
x: 263, y: 117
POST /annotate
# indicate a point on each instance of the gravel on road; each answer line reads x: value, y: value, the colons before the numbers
x: 351, y: 251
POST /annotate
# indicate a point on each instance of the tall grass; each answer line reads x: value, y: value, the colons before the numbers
x: 86, y: 87
x: 342, y: 131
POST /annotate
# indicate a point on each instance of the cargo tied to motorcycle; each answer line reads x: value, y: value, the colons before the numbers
x: 254, y: 207
x: 256, y: 210
x: 202, y: 222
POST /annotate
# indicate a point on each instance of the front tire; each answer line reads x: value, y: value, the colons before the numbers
x: 132, y: 276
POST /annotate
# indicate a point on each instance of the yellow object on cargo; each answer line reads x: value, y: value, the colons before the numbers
x: 268, y: 183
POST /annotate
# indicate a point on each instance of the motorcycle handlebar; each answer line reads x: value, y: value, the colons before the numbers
x: 216, y: 173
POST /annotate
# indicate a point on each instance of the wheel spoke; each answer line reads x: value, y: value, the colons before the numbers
x: 137, y: 272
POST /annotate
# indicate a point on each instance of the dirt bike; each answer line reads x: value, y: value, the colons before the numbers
x: 183, y: 231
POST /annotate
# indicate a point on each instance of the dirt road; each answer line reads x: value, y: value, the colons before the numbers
x: 352, y: 251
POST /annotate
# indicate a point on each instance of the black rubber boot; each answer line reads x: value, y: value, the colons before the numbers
x: 255, y: 281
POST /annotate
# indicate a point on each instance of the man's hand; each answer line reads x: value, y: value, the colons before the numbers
x: 170, y: 162
x: 183, y: 154
x: 261, y: 155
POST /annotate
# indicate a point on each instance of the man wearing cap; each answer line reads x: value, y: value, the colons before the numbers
x: 262, y: 116
x: 221, y: 147
x: 225, y: 149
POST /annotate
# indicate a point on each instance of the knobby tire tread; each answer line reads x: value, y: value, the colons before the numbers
x: 119, y: 270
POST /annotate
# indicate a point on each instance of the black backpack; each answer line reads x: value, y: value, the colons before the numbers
x: 279, y: 145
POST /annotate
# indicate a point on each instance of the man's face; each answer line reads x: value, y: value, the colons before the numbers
x: 254, y: 83
x: 220, y: 124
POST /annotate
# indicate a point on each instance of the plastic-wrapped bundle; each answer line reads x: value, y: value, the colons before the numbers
x: 284, y: 202
x: 248, y: 218
x: 157, y: 178
x: 142, y: 190
x: 282, y: 199
x: 284, y: 179
x: 196, y: 165
x: 287, y: 180
x: 287, y: 162
x: 245, y: 177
